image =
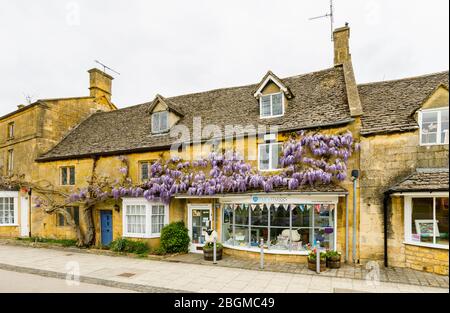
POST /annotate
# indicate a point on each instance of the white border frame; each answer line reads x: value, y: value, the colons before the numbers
x: 197, y: 206
x: 148, y: 217
x: 15, y: 196
x: 408, y: 216
x: 439, y: 126
x: 271, y: 108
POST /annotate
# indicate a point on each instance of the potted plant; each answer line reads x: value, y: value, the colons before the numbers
x: 333, y: 259
x: 208, y: 251
x: 312, y: 264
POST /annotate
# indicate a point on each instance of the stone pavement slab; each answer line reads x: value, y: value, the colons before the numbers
x: 161, y: 276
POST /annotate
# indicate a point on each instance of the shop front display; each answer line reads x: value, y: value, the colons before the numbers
x: 286, y: 224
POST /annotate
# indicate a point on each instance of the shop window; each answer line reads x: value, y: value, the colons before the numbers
x: 142, y: 219
x: 67, y: 175
x: 427, y: 221
x: 8, y: 209
x: 73, y: 211
x: 291, y: 227
x: 434, y: 128
x: 269, y: 156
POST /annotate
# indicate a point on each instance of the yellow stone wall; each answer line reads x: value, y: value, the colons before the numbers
x: 109, y: 166
x: 386, y: 159
x: 427, y: 259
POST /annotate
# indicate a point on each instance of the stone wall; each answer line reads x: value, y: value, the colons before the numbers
x: 386, y: 160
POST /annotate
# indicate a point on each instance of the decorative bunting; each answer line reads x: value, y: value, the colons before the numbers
x: 317, y: 207
x: 331, y: 206
x: 253, y: 206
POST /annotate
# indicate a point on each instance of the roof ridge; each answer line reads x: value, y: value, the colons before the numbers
x: 405, y: 78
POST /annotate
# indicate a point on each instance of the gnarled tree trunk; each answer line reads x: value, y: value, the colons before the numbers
x: 89, y: 238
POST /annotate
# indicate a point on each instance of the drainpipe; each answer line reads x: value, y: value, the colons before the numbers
x: 29, y: 211
x: 346, y: 228
x: 387, y: 196
x: 355, y: 175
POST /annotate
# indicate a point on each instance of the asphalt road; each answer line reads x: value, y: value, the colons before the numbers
x: 21, y: 282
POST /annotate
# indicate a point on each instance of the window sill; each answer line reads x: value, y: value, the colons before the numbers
x: 426, y: 245
x: 9, y: 225
x: 433, y: 144
x: 269, y: 117
x: 267, y: 251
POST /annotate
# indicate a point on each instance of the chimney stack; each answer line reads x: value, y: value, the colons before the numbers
x: 100, y: 83
x: 341, y: 37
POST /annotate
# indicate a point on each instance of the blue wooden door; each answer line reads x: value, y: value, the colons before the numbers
x: 107, y: 227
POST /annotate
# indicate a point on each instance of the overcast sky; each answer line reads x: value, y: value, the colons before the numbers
x: 174, y: 47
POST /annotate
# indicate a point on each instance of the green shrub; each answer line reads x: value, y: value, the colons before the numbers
x: 158, y: 251
x: 129, y: 246
x: 175, y: 238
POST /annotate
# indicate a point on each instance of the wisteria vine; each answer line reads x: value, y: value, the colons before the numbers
x: 305, y: 160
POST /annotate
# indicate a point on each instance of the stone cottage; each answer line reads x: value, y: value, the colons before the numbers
x: 386, y: 201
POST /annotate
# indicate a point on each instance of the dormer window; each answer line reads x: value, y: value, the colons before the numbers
x: 272, y: 94
x: 434, y: 127
x: 271, y: 105
x: 160, y: 122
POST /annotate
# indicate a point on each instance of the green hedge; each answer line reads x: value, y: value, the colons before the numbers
x: 175, y: 238
x: 129, y: 246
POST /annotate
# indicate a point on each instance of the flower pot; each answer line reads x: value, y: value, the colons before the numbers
x: 208, y: 254
x: 334, y: 262
x: 312, y: 265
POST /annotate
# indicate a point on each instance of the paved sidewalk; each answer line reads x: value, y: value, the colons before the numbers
x: 163, y: 276
x: 391, y: 274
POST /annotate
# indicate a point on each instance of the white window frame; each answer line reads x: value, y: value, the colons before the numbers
x: 160, y: 131
x: 148, y: 217
x: 408, y: 217
x: 270, y: 169
x: 439, y: 126
x: 271, y: 105
x: 15, y: 196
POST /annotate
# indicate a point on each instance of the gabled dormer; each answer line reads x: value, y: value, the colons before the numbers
x: 433, y: 118
x: 272, y: 94
x: 164, y: 115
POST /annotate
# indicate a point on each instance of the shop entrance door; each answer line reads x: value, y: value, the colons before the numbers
x: 199, y: 220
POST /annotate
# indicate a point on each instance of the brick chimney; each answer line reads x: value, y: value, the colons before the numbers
x: 100, y: 83
x: 341, y: 38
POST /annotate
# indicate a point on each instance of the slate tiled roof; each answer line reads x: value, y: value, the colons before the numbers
x: 424, y: 180
x: 319, y: 99
x: 389, y: 106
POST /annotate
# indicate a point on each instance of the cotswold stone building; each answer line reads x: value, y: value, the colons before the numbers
x: 386, y: 201
x: 31, y: 131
